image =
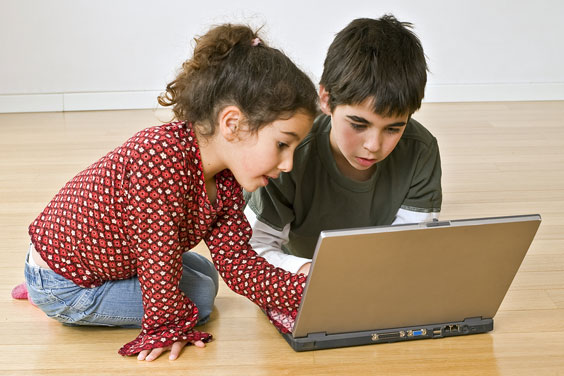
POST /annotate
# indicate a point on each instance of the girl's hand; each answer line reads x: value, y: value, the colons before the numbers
x: 175, y: 349
x: 304, y: 269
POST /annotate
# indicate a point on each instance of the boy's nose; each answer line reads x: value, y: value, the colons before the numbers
x: 372, y: 143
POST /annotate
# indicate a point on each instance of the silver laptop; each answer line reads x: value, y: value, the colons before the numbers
x: 405, y: 282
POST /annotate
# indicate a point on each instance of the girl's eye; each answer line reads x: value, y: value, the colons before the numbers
x: 282, y: 145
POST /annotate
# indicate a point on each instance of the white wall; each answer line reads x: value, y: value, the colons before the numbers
x: 105, y: 54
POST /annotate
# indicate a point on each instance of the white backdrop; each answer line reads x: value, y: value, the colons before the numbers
x: 106, y: 54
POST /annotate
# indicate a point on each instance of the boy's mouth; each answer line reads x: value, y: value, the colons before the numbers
x: 365, y: 162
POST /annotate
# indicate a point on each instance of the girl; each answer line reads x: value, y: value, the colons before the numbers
x: 109, y: 249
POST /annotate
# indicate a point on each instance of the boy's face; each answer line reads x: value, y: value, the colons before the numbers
x: 361, y: 138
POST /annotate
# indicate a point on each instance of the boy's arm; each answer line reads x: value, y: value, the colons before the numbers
x: 404, y: 216
x: 424, y: 198
x: 267, y: 242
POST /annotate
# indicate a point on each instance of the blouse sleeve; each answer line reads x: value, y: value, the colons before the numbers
x: 155, y: 197
x: 274, y: 290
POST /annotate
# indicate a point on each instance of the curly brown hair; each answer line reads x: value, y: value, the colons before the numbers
x: 230, y: 66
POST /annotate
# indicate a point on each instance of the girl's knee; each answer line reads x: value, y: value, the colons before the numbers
x: 199, y: 263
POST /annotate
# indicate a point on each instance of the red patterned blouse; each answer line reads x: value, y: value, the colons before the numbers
x: 135, y: 211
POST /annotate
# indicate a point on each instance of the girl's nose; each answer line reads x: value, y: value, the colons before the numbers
x: 287, y: 163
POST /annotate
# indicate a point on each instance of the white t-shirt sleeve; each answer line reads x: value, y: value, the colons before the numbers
x: 404, y: 216
x: 267, y: 242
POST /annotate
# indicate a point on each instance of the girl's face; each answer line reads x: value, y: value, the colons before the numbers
x: 263, y: 155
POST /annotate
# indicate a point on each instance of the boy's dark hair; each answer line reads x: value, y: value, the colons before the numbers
x: 378, y: 59
x: 230, y: 66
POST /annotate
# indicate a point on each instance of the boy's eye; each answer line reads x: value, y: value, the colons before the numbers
x: 358, y: 126
x: 282, y: 145
x: 394, y: 130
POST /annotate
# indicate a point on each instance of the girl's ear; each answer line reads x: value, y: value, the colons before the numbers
x: 230, y: 121
x: 324, y: 100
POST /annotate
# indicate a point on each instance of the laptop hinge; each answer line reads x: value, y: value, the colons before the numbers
x: 437, y: 223
x: 471, y: 319
x: 316, y: 335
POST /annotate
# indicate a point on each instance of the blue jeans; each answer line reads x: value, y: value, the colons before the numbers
x: 115, y: 303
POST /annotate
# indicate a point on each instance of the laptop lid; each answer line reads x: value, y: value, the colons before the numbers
x: 397, y: 276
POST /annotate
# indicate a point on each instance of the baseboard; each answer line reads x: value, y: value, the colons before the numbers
x: 122, y: 100
x: 495, y: 93
x: 31, y: 103
x: 55, y: 102
x: 111, y: 100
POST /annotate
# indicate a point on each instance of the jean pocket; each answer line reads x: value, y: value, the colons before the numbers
x: 58, y: 297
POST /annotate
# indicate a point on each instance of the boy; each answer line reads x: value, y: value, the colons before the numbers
x: 366, y: 162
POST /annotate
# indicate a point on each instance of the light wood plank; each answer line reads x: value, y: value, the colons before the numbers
x: 498, y: 159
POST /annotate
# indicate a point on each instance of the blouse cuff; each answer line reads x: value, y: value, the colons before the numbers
x: 283, y: 321
x: 164, y: 339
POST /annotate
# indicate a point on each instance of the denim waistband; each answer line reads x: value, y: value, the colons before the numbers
x: 36, y: 276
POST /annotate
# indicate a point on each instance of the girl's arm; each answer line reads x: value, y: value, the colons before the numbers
x: 156, y: 198
x: 169, y: 316
x: 276, y: 291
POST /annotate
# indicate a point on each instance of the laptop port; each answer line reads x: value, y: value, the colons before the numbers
x: 417, y: 333
x: 451, y: 329
x: 388, y: 336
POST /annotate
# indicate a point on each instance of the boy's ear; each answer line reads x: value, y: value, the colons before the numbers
x: 229, y: 120
x: 324, y: 100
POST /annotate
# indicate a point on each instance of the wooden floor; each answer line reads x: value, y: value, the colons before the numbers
x: 498, y: 159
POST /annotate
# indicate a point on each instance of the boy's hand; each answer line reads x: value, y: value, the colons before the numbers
x: 304, y: 269
x: 175, y: 349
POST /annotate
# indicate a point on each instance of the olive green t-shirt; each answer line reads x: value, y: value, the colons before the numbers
x: 316, y: 196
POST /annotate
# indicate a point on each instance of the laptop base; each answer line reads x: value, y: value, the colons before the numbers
x: 319, y: 341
